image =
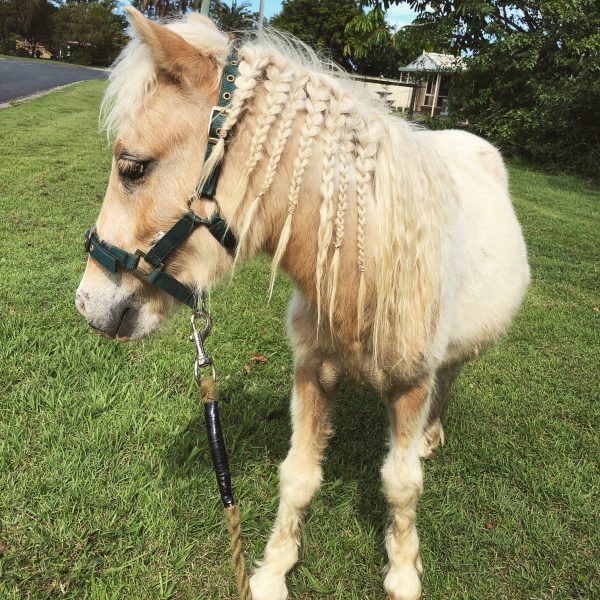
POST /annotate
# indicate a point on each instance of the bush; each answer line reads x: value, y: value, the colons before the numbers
x: 536, y: 94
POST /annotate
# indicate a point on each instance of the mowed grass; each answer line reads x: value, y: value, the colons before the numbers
x: 48, y: 61
x: 106, y: 486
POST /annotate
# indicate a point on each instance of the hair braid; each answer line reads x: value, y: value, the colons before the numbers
x: 277, y: 85
x: 316, y: 105
x: 249, y: 69
x: 345, y: 155
x: 327, y: 210
x: 295, y: 102
x: 366, y: 150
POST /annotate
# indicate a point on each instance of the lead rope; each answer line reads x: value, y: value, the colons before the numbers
x: 218, y: 451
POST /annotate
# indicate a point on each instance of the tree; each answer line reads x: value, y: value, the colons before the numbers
x: 31, y: 20
x: 233, y: 18
x: 322, y: 25
x: 236, y: 17
x: 160, y: 9
x: 370, y: 37
x: 533, y: 78
x: 92, y: 29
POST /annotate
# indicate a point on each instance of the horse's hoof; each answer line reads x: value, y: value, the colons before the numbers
x: 265, y: 586
x: 403, y: 584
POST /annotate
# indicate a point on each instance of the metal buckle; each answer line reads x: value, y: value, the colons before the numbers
x: 216, y: 110
x: 143, y: 254
x: 87, y: 243
x: 197, y: 338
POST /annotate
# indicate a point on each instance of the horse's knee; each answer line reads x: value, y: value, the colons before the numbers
x: 299, y: 479
x: 330, y: 375
x: 402, y: 478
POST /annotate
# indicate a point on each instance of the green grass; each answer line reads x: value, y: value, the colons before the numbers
x: 106, y: 488
x: 51, y: 61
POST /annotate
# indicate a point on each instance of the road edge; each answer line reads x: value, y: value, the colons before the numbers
x: 41, y: 94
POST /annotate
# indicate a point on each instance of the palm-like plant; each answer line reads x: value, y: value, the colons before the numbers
x: 236, y: 17
x: 233, y: 18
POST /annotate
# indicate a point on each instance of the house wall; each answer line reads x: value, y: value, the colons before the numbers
x: 397, y: 96
x: 23, y: 46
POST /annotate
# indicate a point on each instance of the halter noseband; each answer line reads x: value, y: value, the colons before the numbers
x: 112, y: 257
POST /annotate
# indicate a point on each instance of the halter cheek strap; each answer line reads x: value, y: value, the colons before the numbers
x: 113, y: 258
x: 217, y: 120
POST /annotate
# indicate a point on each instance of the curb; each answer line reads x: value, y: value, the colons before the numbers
x: 41, y: 94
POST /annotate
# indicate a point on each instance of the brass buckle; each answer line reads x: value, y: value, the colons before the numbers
x: 88, y: 239
x: 216, y: 110
x: 143, y: 254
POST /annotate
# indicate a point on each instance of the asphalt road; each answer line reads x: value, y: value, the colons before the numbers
x: 21, y: 78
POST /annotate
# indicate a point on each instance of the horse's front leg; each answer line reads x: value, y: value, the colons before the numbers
x: 300, y: 476
x: 402, y: 484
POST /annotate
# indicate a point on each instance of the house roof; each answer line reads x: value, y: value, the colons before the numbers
x: 434, y: 62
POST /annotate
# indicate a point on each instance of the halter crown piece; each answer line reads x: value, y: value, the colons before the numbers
x: 113, y: 258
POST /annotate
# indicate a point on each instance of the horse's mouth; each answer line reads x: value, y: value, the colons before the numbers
x: 122, y: 329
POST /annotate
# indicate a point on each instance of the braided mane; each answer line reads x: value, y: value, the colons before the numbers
x: 373, y: 166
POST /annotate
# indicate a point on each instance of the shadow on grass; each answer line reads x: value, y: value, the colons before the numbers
x: 354, y: 455
x: 357, y: 450
x: 248, y: 439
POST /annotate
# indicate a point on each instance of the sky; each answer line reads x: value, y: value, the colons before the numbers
x: 397, y: 15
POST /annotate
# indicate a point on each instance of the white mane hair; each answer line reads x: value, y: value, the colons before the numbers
x: 366, y: 153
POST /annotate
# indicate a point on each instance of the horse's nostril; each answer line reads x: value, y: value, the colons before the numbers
x: 80, y: 298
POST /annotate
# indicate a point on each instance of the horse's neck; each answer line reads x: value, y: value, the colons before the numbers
x: 300, y: 257
x: 341, y: 152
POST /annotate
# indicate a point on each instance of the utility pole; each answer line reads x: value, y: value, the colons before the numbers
x: 204, y: 7
x: 261, y: 15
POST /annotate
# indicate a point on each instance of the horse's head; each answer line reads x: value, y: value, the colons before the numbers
x: 159, y: 103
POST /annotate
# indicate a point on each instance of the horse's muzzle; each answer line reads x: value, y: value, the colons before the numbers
x: 119, y: 321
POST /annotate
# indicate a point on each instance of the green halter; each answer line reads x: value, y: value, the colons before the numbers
x: 113, y: 258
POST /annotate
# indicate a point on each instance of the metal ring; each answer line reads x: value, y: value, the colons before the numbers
x: 230, y: 78
x: 197, y: 367
x: 234, y: 63
x: 219, y: 131
x: 226, y: 96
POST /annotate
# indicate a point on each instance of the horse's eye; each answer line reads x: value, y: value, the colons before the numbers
x: 132, y: 169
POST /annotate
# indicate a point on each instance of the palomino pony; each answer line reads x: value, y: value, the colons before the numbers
x: 403, y: 245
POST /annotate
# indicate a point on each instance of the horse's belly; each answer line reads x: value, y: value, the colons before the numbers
x: 487, y: 267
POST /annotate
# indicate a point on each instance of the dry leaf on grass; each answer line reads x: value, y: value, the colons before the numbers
x: 258, y: 358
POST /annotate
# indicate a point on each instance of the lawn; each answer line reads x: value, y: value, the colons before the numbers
x: 106, y: 488
x: 48, y: 61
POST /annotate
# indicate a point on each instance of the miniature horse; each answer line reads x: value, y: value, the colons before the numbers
x: 403, y: 245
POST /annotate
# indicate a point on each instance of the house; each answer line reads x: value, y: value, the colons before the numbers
x: 434, y: 72
x: 423, y: 85
x: 24, y: 48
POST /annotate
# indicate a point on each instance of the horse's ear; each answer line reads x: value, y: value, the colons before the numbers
x: 170, y: 51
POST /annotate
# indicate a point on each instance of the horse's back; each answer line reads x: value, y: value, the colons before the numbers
x: 467, y: 156
x: 486, y: 258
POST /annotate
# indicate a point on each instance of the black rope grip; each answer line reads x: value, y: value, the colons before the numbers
x: 218, y: 452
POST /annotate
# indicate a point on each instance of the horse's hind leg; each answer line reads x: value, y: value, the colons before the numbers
x: 402, y: 485
x: 433, y: 435
x: 300, y: 476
